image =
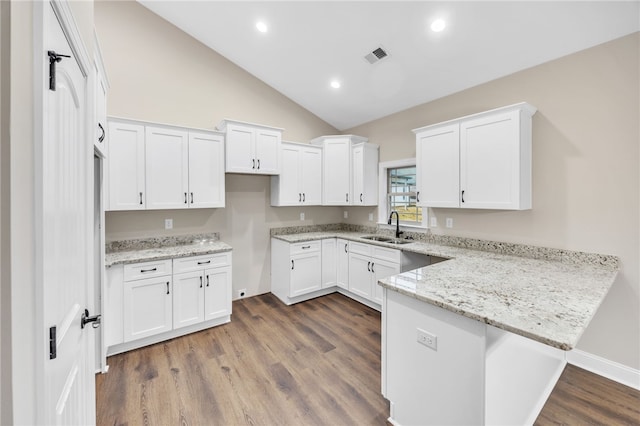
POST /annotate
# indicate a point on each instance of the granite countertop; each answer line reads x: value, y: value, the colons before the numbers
x: 149, y: 249
x: 548, y: 295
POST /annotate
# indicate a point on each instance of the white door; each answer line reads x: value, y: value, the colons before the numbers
x: 289, y: 179
x: 267, y: 152
x: 358, y: 175
x: 206, y: 170
x: 329, y: 270
x: 311, y: 175
x: 188, y: 298
x: 438, y: 166
x: 167, y: 168
x: 147, y: 307
x: 336, y: 173
x: 306, y: 274
x: 126, y: 166
x: 342, y: 260
x: 382, y: 269
x: 64, y: 239
x: 360, y: 275
x: 239, y: 150
x: 217, y: 293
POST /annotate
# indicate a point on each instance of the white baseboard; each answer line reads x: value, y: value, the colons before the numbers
x: 603, y: 367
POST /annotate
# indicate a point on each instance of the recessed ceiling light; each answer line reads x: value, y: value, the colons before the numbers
x: 438, y: 25
x: 335, y: 84
x: 262, y: 27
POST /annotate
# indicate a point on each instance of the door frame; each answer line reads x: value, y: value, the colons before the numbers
x: 71, y: 31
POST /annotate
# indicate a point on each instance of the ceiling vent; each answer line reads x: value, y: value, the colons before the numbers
x: 376, y: 55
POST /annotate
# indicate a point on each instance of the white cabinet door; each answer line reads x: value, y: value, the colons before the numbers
x: 167, y: 168
x: 126, y: 166
x: 360, y: 275
x: 288, y: 192
x: 490, y: 162
x: 311, y: 175
x: 188, y: 298
x: 329, y: 262
x: 147, y: 307
x: 217, y: 293
x: 206, y: 170
x: 112, y: 318
x: 438, y: 166
x: 267, y: 151
x: 239, y: 150
x: 337, y: 173
x: 306, y: 273
x: 342, y: 263
x: 382, y: 269
x: 358, y: 174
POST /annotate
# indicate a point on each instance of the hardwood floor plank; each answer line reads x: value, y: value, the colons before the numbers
x: 313, y: 363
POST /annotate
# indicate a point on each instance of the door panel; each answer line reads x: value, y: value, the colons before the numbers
x: 147, y: 307
x: 217, y: 293
x: 206, y: 170
x: 267, y: 149
x: 306, y: 274
x: 188, y: 298
x: 167, y: 164
x: 360, y: 275
x: 239, y: 150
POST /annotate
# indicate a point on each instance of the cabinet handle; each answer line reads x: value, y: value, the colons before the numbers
x: 369, y: 266
x: 185, y: 198
x: 207, y: 280
x: 192, y: 198
x: 347, y: 197
x: 305, y: 247
x: 258, y: 164
x: 463, y: 195
x: 101, y: 138
x: 253, y: 162
x: 418, y: 197
x: 205, y: 263
x: 292, y: 264
x: 361, y: 197
x: 141, y: 198
x: 372, y: 267
x: 167, y: 287
x: 142, y: 271
x: 200, y: 281
x: 299, y: 197
x: 345, y: 248
x: 304, y: 197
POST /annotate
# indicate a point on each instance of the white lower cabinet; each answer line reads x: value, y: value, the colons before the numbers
x: 342, y: 263
x: 150, y: 302
x: 296, y: 269
x: 368, y: 264
x: 329, y: 259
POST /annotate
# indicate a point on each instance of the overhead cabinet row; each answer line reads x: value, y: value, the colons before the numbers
x: 482, y: 161
x: 164, y: 167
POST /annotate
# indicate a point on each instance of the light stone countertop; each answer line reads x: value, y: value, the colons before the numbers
x: 148, y: 250
x: 547, y: 295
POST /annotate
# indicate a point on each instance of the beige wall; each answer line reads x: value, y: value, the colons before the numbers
x: 158, y: 73
x: 585, y: 171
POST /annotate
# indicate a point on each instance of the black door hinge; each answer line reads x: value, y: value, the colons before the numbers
x: 52, y: 343
x: 54, y: 58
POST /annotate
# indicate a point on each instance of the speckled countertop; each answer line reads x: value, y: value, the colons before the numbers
x: 548, y: 295
x: 148, y: 249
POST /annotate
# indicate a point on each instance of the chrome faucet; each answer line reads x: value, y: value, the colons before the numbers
x: 398, y: 231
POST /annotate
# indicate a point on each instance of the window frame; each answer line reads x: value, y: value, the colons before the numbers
x: 383, y: 183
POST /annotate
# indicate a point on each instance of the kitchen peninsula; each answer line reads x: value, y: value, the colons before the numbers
x: 481, y: 337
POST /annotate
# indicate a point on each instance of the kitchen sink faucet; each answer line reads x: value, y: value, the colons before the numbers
x: 398, y: 231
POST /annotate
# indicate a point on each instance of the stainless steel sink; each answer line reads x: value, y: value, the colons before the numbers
x: 398, y: 241
x: 377, y: 238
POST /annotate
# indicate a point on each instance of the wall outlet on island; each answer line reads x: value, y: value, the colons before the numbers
x: 168, y: 224
x: 242, y: 293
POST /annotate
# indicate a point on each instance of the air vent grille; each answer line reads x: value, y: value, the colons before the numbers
x: 376, y: 55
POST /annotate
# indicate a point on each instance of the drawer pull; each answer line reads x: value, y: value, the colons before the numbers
x: 167, y: 287
x: 204, y: 263
x: 306, y: 247
x: 142, y: 271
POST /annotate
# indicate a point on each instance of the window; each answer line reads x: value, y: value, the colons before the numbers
x: 401, y: 195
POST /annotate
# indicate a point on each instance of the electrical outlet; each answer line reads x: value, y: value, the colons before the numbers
x: 449, y: 222
x: 242, y: 293
x: 301, y: 216
x: 433, y: 222
x: 168, y: 224
x: 370, y: 217
x: 428, y: 339
x: 346, y: 214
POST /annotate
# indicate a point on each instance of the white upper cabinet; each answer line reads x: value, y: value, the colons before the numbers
x: 481, y: 161
x: 251, y: 148
x: 164, y: 167
x: 126, y: 173
x: 206, y: 170
x: 167, y: 168
x: 350, y: 170
x: 300, y: 179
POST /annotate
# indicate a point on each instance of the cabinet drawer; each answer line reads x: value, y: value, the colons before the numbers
x: 137, y: 271
x: 198, y: 263
x: 360, y: 248
x: 382, y: 253
x: 306, y: 247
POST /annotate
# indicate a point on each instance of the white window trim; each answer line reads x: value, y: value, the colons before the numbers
x: 383, y: 213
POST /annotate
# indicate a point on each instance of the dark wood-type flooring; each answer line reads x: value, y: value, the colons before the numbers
x: 314, y: 363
